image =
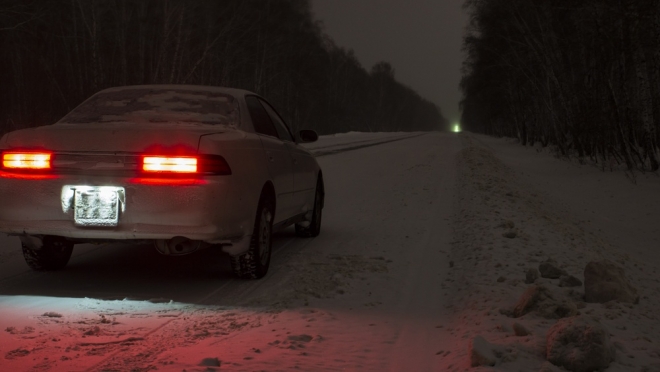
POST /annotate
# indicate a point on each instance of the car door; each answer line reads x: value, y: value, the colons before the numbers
x: 278, y: 158
x: 304, y: 165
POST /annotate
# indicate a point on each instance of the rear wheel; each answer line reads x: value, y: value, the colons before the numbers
x: 255, y: 262
x: 313, y: 228
x: 53, y: 255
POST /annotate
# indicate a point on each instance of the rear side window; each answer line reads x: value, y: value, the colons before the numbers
x: 260, y: 119
x: 281, y: 128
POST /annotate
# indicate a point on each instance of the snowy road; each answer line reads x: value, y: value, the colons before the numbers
x: 410, y: 265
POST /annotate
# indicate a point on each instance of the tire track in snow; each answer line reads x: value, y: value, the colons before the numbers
x: 356, y: 146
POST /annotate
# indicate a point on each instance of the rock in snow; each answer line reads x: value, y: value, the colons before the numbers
x: 579, y: 344
x: 605, y: 281
x: 210, y: 362
x: 508, y: 224
x: 520, y: 330
x: 548, y: 269
x: 52, y: 314
x: 531, y: 275
x: 548, y: 304
x: 481, y: 352
x: 569, y: 281
x: 510, y: 234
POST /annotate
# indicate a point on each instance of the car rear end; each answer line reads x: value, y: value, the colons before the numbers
x: 109, y: 196
x: 125, y: 165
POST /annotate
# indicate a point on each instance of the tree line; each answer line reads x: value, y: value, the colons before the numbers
x: 56, y: 53
x: 581, y: 76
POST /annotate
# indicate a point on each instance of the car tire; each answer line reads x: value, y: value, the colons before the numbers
x: 313, y: 228
x: 53, y: 255
x: 255, y: 262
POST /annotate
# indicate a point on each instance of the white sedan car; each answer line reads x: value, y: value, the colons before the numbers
x: 185, y: 167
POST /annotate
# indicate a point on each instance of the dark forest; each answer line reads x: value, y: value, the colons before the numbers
x: 56, y: 53
x: 580, y: 76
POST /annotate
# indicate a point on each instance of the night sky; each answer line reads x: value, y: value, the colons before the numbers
x: 421, y: 39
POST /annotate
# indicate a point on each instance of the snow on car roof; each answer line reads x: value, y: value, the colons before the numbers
x: 160, y: 103
x: 230, y: 91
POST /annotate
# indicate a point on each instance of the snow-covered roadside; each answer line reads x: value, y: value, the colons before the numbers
x: 507, y: 223
x: 606, y: 203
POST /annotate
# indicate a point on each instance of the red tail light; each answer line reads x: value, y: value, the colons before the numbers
x: 26, y: 160
x: 168, y: 164
x: 203, y: 164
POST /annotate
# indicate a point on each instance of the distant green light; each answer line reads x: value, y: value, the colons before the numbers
x: 457, y: 128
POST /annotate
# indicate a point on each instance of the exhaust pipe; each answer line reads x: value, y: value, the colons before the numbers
x: 177, y: 246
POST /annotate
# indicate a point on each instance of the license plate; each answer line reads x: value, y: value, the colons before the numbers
x: 96, y: 206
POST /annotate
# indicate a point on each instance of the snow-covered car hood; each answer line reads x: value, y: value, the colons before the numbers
x: 128, y: 137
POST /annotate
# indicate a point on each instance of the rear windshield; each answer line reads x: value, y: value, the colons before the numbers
x: 145, y: 105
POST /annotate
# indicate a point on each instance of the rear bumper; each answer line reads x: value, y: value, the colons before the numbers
x: 198, y: 209
x: 123, y: 231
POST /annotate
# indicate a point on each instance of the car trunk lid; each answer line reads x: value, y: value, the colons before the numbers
x: 113, y: 138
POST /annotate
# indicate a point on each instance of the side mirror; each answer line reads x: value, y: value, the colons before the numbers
x: 307, y: 136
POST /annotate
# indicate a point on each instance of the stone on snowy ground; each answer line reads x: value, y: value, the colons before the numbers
x: 579, y: 344
x: 301, y: 338
x: 531, y: 275
x: 549, y: 269
x: 510, y: 234
x: 520, y: 330
x: 52, y: 314
x: 501, y: 279
x: 548, y: 304
x: 481, y: 352
x: 210, y: 362
x: 507, y: 224
x: 605, y: 281
x: 569, y: 281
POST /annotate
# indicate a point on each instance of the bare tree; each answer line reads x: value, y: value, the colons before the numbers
x: 577, y: 76
x: 61, y: 51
